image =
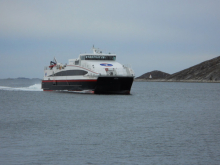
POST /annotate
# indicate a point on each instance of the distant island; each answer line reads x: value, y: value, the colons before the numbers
x: 21, y: 78
x: 156, y: 74
x: 207, y: 71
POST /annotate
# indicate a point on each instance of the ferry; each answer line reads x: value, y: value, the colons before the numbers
x: 96, y: 72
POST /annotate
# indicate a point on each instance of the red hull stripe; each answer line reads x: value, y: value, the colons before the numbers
x: 69, y: 80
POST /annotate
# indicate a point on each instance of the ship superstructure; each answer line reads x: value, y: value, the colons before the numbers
x: 95, y: 72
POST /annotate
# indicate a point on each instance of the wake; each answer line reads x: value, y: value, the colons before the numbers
x: 35, y: 87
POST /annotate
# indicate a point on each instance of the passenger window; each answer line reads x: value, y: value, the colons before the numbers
x: 76, y: 62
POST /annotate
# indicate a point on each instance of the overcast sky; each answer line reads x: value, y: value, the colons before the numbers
x: 165, y: 35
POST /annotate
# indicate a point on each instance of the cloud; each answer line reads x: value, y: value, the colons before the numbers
x: 153, y: 20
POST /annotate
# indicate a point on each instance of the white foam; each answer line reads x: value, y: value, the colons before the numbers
x: 35, y: 87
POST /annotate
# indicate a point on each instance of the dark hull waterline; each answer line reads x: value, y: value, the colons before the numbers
x: 101, y: 85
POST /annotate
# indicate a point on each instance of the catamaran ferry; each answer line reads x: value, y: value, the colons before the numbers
x: 96, y: 72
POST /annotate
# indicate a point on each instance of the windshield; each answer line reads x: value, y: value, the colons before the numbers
x: 95, y: 57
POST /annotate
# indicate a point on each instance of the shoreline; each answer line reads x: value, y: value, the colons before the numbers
x: 187, y: 81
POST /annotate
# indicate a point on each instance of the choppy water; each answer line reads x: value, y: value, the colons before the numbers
x: 159, y: 123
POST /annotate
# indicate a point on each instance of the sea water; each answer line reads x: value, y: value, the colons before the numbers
x: 159, y: 123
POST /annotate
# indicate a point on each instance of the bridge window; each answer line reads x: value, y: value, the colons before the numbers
x: 97, y: 57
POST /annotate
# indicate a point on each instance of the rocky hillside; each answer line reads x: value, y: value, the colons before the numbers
x: 205, y: 71
x: 156, y: 74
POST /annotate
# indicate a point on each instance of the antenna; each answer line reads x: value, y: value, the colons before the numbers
x: 94, y: 50
x: 55, y: 60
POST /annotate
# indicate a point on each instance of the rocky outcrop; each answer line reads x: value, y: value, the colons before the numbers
x: 205, y: 71
x: 156, y: 74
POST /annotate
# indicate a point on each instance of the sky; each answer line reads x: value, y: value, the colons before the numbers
x: 165, y: 35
